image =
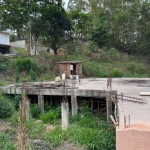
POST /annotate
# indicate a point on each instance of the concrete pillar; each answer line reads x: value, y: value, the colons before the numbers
x: 41, y: 103
x: 109, y: 108
x: 74, y: 105
x: 65, y: 115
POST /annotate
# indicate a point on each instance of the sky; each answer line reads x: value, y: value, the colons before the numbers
x: 66, y: 3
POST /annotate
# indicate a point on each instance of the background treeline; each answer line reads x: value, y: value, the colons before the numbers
x: 122, y: 24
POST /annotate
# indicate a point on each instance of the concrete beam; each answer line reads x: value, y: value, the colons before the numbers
x: 65, y: 115
x: 109, y: 108
x: 144, y: 93
x: 74, y: 106
x: 41, y: 103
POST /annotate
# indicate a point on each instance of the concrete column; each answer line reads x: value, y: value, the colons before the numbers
x: 65, y: 115
x: 109, y: 108
x: 41, y: 103
x: 74, y: 105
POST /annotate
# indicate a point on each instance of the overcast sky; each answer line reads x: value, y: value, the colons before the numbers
x: 66, y: 3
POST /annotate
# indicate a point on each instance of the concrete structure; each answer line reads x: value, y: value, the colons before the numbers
x: 135, y: 137
x: 20, y: 44
x: 65, y: 115
x: 128, y: 102
x: 70, y: 68
x: 4, y: 42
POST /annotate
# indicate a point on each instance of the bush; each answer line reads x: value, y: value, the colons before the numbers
x: 24, y: 64
x: 116, y: 73
x: 136, y: 68
x: 47, y: 77
x: 35, y: 111
x: 113, y: 53
x: 33, y: 75
x: 6, y: 107
x: 48, y: 117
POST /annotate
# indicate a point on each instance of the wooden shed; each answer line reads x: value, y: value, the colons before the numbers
x: 70, y: 68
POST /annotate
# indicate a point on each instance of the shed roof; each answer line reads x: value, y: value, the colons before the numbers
x: 69, y: 62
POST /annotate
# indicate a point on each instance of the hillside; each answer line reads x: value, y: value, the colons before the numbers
x: 105, y: 64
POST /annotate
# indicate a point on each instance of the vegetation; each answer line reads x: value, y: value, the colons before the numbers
x: 6, y: 107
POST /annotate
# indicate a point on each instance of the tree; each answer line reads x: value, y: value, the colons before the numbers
x: 100, y: 35
x: 14, y: 14
x: 57, y: 24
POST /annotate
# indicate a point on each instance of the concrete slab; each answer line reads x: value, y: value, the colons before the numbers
x: 98, y: 87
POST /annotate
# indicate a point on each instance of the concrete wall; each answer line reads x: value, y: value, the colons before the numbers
x: 20, y: 44
x: 4, y: 39
x: 133, y: 139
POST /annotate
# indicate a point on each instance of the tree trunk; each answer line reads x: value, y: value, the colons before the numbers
x: 55, y: 51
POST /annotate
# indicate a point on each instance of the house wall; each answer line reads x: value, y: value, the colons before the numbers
x: 4, y: 39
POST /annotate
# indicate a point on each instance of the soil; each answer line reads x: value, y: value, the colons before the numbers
x: 4, y: 125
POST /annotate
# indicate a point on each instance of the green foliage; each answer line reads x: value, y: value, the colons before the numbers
x: 26, y: 79
x: 17, y: 76
x: 35, y: 111
x: 5, y: 141
x: 21, y: 51
x: 35, y: 129
x: 52, y: 115
x: 113, y: 53
x: 14, y: 119
x: 24, y: 64
x: 33, y: 75
x: 93, y: 47
x: 17, y: 100
x: 116, y: 73
x: 55, y: 137
x: 87, y: 132
x: 47, y: 77
x: 6, y: 107
x: 135, y: 68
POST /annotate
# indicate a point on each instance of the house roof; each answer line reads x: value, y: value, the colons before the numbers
x: 69, y: 62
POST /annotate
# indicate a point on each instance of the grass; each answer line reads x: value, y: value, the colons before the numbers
x: 5, y: 141
x: 22, y: 51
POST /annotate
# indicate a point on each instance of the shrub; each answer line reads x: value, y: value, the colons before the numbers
x: 117, y: 73
x: 26, y: 79
x: 6, y: 107
x: 24, y: 64
x: 33, y: 75
x: 17, y: 99
x: 136, y: 68
x: 35, y: 111
x: 48, y: 117
x: 47, y: 77
x: 113, y: 53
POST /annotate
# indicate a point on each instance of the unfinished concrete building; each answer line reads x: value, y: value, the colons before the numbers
x: 121, y: 102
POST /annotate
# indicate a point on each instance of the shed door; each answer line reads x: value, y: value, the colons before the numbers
x: 73, y: 69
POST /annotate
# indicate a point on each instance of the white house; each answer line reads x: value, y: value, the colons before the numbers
x: 4, y: 42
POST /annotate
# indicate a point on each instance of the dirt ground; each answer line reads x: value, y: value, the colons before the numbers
x: 68, y: 146
x: 4, y: 125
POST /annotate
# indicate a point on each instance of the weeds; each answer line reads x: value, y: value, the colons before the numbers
x: 6, y: 107
x: 5, y: 141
